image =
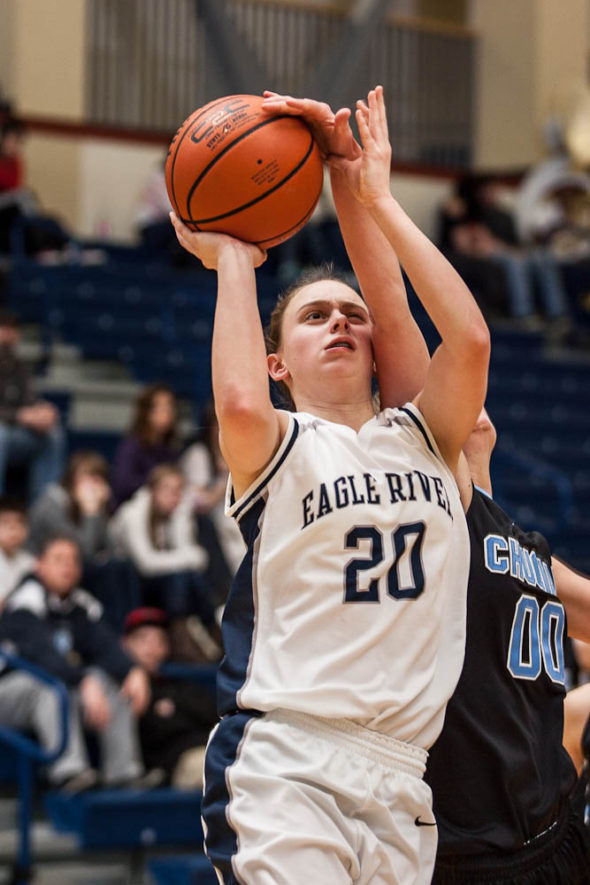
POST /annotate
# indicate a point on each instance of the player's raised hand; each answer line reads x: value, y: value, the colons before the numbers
x: 208, y: 247
x: 369, y: 179
x: 330, y: 130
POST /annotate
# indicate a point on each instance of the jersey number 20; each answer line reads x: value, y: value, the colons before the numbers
x: 406, y: 546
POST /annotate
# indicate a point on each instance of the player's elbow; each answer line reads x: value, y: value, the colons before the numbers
x: 476, y: 342
x: 239, y: 410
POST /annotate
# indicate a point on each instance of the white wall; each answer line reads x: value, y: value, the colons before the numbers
x: 112, y: 176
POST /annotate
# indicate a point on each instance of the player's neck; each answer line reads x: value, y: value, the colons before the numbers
x: 353, y: 414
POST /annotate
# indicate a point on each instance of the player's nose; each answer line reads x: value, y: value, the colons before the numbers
x: 339, y: 321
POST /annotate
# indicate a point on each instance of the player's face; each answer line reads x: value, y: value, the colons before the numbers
x: 327, y: 327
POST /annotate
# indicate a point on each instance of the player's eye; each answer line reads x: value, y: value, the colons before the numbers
x: 313, y: 315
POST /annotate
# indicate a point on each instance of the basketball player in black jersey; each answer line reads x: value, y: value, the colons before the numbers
x: 503, y: 784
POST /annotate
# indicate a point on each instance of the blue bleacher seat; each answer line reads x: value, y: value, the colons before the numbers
x: 127, y: 818
x: 182, y: 870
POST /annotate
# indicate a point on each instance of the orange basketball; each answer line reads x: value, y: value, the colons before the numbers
x: 232, y: 168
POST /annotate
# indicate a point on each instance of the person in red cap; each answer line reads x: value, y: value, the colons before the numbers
x: 173, y: 730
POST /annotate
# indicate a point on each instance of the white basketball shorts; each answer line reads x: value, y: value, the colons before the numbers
x: 292, y: 799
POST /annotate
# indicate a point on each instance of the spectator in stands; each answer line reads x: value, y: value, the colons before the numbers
x: 156, y: 530
x: 479, y: 236
x: 78, y: 507
x: 15, y: 561
x: 174, y: 729
x: 56, y: 625
x: 206, y: 475
x: 41, y: 235
x: 30, y: 432
x: 152, y: 440
x: 11, y: 163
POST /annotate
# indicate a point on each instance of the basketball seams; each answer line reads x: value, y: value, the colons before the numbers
x: 192, y: 119
x: 260, y: 197
x: 270, y: 241
x: 264, y: 203
x: 221, y: 155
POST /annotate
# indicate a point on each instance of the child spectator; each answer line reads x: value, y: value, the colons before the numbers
x: 152, y: 440
x: 156, y: 530
x: 15, y: 562
x: 59, y: 627
x: 174, y: 729
x: 30, y: 432
x: 206, y: 474
x: 78, y: 507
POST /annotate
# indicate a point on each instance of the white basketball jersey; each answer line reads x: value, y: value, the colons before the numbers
x: 350, y: 602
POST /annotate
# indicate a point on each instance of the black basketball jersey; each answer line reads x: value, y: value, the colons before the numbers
x: 498, y: 772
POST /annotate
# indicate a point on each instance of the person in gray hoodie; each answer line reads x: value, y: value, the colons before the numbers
x: 78, y: 507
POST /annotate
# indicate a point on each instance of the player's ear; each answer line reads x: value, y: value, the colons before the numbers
x: 277, y: 369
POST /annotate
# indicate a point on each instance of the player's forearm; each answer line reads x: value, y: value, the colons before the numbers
x: 239, y: 369
x: 439, y: 287
x: 401, y: 355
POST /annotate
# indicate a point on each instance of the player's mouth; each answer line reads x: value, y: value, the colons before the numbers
x: 341, y: 343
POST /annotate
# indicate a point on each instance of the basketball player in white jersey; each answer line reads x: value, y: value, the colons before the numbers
x: 344, y: 629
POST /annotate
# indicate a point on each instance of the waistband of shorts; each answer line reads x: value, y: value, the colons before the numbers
x: 363, y: 741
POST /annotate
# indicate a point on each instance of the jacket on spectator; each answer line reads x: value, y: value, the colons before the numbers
x: 133, y: 462
x: 180, y: 716
x: 63, y: 636
x: 130, y: 532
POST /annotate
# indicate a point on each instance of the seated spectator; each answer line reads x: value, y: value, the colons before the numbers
x: 56, y: 625
x: 479, y: 236
x: 175, y: 727
x: 206, y: 475
x: 78, y: 508
x: 156, y: 530
x: 42, y: 236
x: 30, y: 432
x: 15, y: 561
x: 152, y: 440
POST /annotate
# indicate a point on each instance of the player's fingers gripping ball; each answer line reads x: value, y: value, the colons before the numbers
x: 234, y: 169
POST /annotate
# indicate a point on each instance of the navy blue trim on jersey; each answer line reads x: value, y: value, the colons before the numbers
x: 266, y: 479
x: 418, y: 424
x: 239, y: 618
x: 221, y: 840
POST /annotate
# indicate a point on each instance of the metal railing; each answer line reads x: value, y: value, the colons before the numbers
x: 30, y: 752
x: 150, y: 63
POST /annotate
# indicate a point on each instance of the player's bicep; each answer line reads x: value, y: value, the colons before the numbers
x: 453, y: 396
x: 401, y: 362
